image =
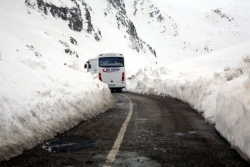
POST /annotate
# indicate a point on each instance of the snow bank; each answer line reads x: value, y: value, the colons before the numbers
x: 220, y: 95
x: 198, y: 93
x: 42, y: 100
x: 233, y: 114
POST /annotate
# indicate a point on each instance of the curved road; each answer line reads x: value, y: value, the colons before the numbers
x: 140, y: 131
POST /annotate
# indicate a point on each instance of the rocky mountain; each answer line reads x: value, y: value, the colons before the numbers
x: 145, y: 31
x: 79, y: 19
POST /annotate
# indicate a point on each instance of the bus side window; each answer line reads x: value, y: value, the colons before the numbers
x: 87, y: 65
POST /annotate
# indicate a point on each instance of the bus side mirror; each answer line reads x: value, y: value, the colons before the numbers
x: 89, y: 66
x: 85, y: 65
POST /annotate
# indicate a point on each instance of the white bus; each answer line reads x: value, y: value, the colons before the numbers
x: 110, y: 68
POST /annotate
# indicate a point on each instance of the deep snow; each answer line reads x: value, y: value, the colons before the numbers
x: 213, y: 84
x: 45, y: 91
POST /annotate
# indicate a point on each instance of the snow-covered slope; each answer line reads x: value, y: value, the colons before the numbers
x: 182, y: 29
x: 144, y: 31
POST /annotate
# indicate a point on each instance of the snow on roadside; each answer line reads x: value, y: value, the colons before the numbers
x: 233, y: 114
x: 44, y: 99
x: 220, y: 95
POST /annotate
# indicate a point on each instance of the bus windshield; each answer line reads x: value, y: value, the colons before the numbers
x: 111, y: 62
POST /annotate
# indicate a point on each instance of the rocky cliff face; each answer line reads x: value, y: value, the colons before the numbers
x: 72, y: 15
x: 125, y: 24
x: 79, y: 18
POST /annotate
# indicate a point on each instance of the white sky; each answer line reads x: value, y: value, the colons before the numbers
x: 43, y: 91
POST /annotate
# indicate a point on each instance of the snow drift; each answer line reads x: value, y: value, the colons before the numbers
x: 217, y: 89
x: 43, y: 100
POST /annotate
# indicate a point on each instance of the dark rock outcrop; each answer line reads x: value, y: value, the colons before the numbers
x: 72, y: 15
x: 123, y: 22
x: 73, y: 41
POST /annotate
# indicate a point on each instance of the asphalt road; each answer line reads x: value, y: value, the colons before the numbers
x: 140, y: 131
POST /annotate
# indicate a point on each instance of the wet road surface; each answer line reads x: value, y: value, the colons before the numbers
x: 140, y: 131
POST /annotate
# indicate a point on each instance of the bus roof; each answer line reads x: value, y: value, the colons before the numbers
x: 110, y: 55
x: 92, y: 59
